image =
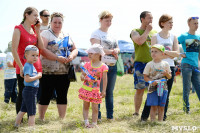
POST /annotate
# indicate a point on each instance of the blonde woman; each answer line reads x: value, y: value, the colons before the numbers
x: 103, y: 37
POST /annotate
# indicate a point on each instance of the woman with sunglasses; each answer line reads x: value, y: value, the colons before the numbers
x: 102, y: 36
x: 55, y: 73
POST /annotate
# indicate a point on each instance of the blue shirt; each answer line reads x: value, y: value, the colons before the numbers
x: 30, y: 70
x: 191, y: 45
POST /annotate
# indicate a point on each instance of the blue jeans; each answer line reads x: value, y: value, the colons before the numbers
x: 111, y: 76
x: 169, y: 85
x: 193, y: 90
x: 29, y: 99
x: 189, y: 75
x: 10, y: 90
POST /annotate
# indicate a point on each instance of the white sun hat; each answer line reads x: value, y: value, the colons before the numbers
x: 96, y: 48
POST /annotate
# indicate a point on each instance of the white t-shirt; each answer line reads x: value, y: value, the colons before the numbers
x: 168, y: 44
x: 155, y: 72
x: 108, y: 42
x: 51, y: 66
x: 42, y: 27
x: 9, y: 72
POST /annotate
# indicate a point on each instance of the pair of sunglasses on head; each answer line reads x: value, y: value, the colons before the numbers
x: 195, y: 17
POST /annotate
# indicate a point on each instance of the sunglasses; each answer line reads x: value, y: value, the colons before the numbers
x: 46, y: 15
x: 195, y: 17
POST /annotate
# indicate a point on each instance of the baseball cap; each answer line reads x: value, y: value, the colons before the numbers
x: 160, y: 47
x: 31, y: 48
x: 96, y: 48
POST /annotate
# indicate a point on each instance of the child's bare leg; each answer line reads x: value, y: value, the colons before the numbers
x: 94, y: 114
x: 86, y: 106
x: 31, y: 120
x: 19, y: 118
x: 160, y: 113
x: 153, y: 112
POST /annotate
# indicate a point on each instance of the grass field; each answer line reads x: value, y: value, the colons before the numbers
x: 124, y: 121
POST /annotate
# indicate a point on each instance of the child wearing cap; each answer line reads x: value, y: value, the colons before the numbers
x: 156, y: 73
x: 93, y: 72
x: 31, y: 83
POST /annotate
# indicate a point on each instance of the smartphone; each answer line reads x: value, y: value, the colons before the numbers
x: 37, y: 22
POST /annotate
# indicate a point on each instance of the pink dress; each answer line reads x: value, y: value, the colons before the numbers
x: 90, y: 91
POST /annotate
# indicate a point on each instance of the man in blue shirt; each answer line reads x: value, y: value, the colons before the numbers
x: 189, y: 65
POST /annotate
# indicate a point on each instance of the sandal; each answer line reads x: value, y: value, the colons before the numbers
x: 135, y: 114
x: 94, y: 125
x: 87, y: 124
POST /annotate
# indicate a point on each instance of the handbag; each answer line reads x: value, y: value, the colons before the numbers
x: 120, y: 66
x: 72, y: 74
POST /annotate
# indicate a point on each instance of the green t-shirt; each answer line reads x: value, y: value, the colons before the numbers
x: 142, y: 52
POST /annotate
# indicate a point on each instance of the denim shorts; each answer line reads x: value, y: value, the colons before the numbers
x: 29, y: 99
x: 154, y: 100
x: 139, y: 82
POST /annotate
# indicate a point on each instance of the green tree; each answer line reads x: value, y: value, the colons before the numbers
x: 0, y: 51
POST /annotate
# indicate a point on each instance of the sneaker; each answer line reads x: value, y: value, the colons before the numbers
x: 188, y: 112
x: 99, y: 121
x: 143, y: 119
x: 110, y: 120
x: 164, y: 118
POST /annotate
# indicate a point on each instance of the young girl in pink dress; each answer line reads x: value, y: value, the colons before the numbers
x: 93, y: 72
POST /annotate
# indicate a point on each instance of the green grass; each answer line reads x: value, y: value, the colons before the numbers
x: 123, y: 109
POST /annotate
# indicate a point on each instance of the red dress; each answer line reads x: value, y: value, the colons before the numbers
x: 25, y: 40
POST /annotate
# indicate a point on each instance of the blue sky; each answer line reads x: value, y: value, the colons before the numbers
x: 81, y: 16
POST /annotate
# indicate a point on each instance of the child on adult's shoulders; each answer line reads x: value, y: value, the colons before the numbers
x: 156, y: 73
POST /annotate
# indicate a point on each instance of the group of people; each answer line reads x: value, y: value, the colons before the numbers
x: 128, y: 66
x: 42, y: 57
x: 43, y: 54
x: 153, y: 71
